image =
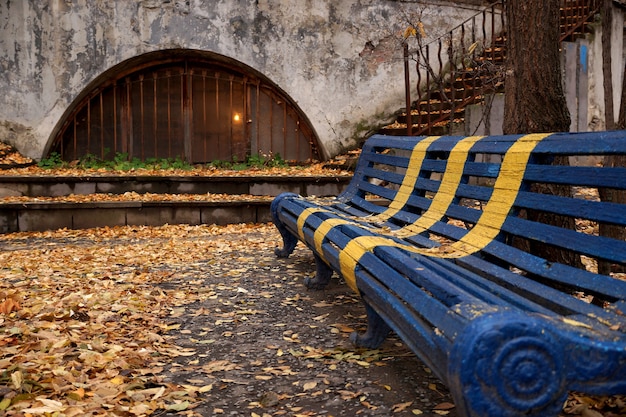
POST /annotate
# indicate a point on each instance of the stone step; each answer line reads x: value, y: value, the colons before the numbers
x: 263, y: 185
x: 36, y: 203
x: 40, y: 216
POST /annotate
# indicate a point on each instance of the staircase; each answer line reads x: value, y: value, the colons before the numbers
x: 471, y: 68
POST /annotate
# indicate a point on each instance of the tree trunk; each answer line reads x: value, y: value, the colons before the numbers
x: 534, y: 100
x: 607, y: 194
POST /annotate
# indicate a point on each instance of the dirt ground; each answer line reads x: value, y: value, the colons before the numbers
x: 273, y: 348
x: 194, y: 321
x: 205, y: 318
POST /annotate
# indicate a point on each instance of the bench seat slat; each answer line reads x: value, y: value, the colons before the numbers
x: 596, y: 246
x: 580, y: 176
x: 586, y: 281
x: 466, y: 286
x: 595, y: 211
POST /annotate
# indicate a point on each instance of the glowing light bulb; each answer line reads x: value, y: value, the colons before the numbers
x: 236, y: 117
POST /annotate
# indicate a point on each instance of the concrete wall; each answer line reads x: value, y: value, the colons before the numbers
x: 340, y: 61
x: 596, y: 116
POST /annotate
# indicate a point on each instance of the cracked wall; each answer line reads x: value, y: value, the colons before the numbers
x: 341, y: 62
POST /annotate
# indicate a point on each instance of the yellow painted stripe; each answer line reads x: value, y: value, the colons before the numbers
x: 323, y: 229
x: 486, y: 229
x: 355, y: 249
x: 447, y: 189
x: 408, y: 182
x: 305, y: 215
x: 505, y: 192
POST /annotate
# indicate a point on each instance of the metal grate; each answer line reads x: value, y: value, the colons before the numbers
x: 196, y: 111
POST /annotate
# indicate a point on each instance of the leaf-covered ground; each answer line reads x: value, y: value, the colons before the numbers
x: 195, y: 321
x: 200, y: 320
x: 13, y: 163
x: 134, y: 196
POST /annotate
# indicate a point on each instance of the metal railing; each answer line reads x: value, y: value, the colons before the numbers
x: 466, y: 64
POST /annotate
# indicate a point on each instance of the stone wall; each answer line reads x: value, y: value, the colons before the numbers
x: 340, y: 61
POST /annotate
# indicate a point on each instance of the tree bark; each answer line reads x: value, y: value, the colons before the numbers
x: 607, y: 194
x: 534, y: 100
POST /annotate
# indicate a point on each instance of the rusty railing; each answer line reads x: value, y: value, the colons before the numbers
x: 467, y: 64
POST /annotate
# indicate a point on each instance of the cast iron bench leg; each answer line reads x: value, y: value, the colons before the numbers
x: 376, y: 333
x: 289, y: 240
x: 322, y: 275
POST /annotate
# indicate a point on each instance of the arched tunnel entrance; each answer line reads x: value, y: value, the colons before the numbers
x: 190, y: 104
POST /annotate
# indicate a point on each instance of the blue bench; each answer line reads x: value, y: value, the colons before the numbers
x: 441, y: 238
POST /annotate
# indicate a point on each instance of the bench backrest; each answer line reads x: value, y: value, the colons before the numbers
x: 498, y: 197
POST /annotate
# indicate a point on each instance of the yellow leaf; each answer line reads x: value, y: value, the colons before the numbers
x: 309, y: 385
x: 140, y: 409
x: 77, y: 395
x: 417, y: 412
x: 5, y: 403
x: 410, y: 31
x: 17, y: 378
x: 118, y: 380
x: 159, y: 393
x: 179, y: 406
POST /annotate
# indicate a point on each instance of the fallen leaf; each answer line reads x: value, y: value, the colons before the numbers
x: 309, y: 385
x: 397, y: 408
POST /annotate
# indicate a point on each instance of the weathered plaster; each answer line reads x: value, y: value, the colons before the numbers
x: 340, y: 61
x: 596, y: 116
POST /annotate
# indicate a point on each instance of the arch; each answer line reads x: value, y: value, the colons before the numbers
x: 192, y: 104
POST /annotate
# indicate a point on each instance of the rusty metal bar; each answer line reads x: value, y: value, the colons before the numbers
x: 89, y: 124
x: 115, y: 118
x: 442, y: 93
x: 428, y: 88
x: 230, y: 112
x: 217, y: 111
x: 205, y: 156
x: 453, y: 77
x: 168, y: 75
x: 419, y: 90
x: 407, y: 89
x: 271, y: 139
x: 129, y: 141
x: 101, y: 124
x: 75, y: 138
x: 245, y: 116
x: 258, y: 117
x: 142, y: 118
x: 155, y: 115
x: 284, y: 128
x: 475, y: 74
